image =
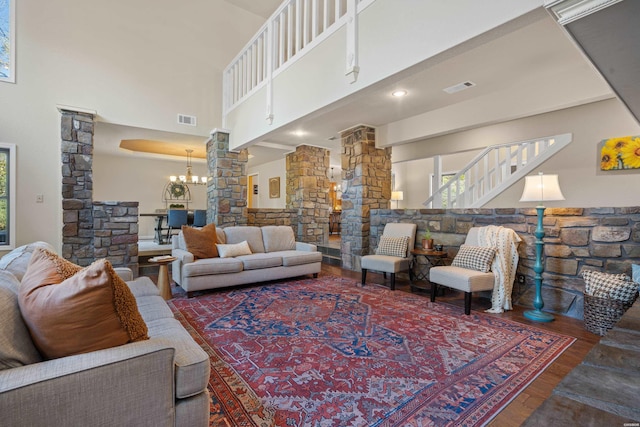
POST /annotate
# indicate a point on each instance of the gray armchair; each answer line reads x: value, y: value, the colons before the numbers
x: 386, y: 263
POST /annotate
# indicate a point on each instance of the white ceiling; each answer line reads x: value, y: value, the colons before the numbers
x: 531, y: 56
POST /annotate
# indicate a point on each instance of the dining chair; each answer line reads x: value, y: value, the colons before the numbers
x: 199, y: 218
x: 176, y: 218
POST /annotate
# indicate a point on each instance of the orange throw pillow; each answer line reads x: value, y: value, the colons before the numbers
x: 201, y: 242
x: 68, y: 313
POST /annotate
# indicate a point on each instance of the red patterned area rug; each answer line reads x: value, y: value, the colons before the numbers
x: 329, y: 352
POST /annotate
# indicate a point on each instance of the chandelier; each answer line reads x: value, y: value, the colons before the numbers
x: 189, y: 178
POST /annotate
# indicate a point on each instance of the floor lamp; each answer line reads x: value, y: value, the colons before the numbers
x: 397, y: 195
x: 540, y: 188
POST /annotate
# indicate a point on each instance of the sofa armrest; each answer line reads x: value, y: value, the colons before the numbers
x: 125, y: 273
x: 309, y: 247
x: 185, y: 257
x: 131, y: 384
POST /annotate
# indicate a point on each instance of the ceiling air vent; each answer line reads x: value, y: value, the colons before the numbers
x: 183, y: 119
x: 459, y: 87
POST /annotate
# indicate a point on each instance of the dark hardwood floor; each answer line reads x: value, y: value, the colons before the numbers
x: 531, y: 397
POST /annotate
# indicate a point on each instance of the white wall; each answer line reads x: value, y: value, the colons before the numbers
x: 277, y: 168
x: 136, y: 63
x: 122, y: 178
x: 583, y: 184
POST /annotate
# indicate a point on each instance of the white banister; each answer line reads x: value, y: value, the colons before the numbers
x: 493, y: 170
x: 293, y: 30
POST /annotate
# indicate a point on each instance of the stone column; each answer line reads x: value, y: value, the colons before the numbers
x: 308, y: 192
x: 116, y: 233
x: 227, y: 188
x: 366, y: 185
x: 77, y: 186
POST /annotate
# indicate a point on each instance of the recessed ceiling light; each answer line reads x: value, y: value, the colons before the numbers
x: 399, y: 93
x: 299, y: 133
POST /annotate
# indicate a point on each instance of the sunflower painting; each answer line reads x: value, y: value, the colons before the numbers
x: 620, y: 153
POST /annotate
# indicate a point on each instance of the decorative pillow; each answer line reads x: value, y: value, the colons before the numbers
x: 609, y: 286
x: 68, y: 313
x: 17, y: 260
x: 16, y: 346
x: 234, y: 249
x: 474, y: 258
x: 201, y: 242
x: 393, y: 246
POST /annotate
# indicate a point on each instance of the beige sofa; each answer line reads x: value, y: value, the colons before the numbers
x: 161, y: 381
x: 274, y: 255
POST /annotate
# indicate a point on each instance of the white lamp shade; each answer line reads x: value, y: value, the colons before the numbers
x: 541, y: 188
x: 397, y: 195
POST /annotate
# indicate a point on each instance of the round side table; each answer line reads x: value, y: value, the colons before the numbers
x: 164, y: 286
x: 419, y: 271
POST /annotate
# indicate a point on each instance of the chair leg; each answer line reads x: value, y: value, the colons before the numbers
x: 434, y: 289
x: 467, y: 303
x: 393, y: 281
x: 384, y: 274
x: 315, y: 275
x: 364, y: 276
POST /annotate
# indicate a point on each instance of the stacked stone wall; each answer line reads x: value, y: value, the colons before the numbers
x: 91, y: 229
x: 115, y: 227
x: 261, y: 217
x: 308, y: 192
x: 604, y: 239
x: 77, y: 186
x: 227, y: 186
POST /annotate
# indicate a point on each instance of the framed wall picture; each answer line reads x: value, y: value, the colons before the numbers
x: 274, y: 187
x: 620, y: 153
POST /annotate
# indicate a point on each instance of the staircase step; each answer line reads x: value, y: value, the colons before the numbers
x: 332, y: 260
x: 329, y: 250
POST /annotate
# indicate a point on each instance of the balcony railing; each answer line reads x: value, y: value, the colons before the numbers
x: 292, y: 31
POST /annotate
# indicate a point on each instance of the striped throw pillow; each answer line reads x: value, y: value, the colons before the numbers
x: 477, y: 258
x: 609, y: 286
x: 393, y: 246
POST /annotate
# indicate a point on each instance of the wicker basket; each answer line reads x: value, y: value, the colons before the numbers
x: 601, y: 314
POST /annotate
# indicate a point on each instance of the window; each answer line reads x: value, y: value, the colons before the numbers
x: 7, y: 196
x: 7, y: 41
x: 446, y: 177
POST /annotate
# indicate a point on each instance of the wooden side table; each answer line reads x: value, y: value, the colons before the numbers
x: 164, y: 285
x: 419, y: 271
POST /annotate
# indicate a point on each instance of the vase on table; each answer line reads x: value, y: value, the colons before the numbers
x: 427, y: 243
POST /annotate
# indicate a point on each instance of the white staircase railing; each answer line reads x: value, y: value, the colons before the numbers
x: 293, y: 30
x: 493, y: 170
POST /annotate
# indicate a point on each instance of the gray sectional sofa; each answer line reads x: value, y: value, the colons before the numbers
x: 161, y: 381
x: 274, y: 255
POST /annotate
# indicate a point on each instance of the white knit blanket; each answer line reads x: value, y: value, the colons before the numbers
x: 504, y: 265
